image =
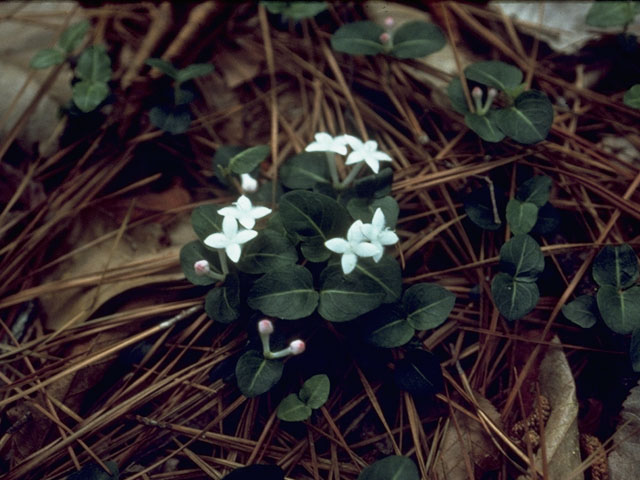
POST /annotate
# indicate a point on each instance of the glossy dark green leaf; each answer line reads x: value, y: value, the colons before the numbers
x: 47, y: 58
x: 514, y: 299
x: 345, y: 297
x: 419, y: 373
x: 427, y: 305
x: 94, y: 64
x: 363, y: 209
x: 285, y: 293
x: 206, y: 220
x: 417, y: 39
x: 522, y: 258
x: 393, y: 467
x: 535, y: 190
x: 611, y: 14
x: 292, y: 409
x: 222, y: 303
x: 616, y: 266
x: 387, y: 327
x: 582, y: 311
x: 479, y: 208
x: 314, y: 250
x: 521, y: 216
x: 456, y: 96
x: 87, y: 95
x: 72, y: 36
x: 270, y: 250
x: 315, y: 391
x: 174, y: 120
x: 634, y: 350
x: 494, y: 73
x: 257, y: 375
x: 193, y: 71
x: 305, y: 170
x: 529, y: 120
x: 190, y: 253
x: 484, y: 125
x: 296, y: 10
x: 620, y: 310
x: 377, y: 185
x: 358, y: 38
x: 93, y: 471
x: 312, y: 215
x: 165, y: 67
x: 632, y: 97
x: 386, y: 273
x: 255, y: 472
x: 248, y: 159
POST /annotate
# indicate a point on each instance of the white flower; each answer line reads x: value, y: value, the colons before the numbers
x: 248, y: 183
x: 326, y: 143
x: 201, y: 268
x: 230, y: 238
x: 245, y: 212
x: 364, y: 152
x: 352, y: 247
x: 378, y: 233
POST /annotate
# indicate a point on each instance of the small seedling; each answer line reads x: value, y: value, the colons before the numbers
x: 612, y: 14
x: 297, y: 407
x: 632, y: 97
x: 295, y: 11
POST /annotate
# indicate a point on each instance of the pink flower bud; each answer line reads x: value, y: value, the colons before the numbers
x: 297, y: 347
x: 491, y: 94
x: 476, y: 93
x: 201, y: 268
x: 385, y: 37
x: 389, y: 22
x: 265, y: 327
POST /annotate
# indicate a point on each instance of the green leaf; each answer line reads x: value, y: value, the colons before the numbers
x: 583, y: 311
x: 292, y: 409
x: 363, y: 209
x: 206, y: 220
x: 87, y: 94
x: 419, y: 373
x: 548, y: 220
x: 521, y: 216
x: 535, y: 190
x: 190, y: 254
x: 254, y: 472
x: 315, y: 391
x: 456, y: 96
x: 514, y: 299
x: 377, y: 186
x: 478, y: 207
x: 268, y: 251
x: 417, y: 39
x: 634, y: 350
x: 387, y: 327
x: 296, y: 10
x: 620, y: 310
x: 94, y: 64
x: 312, y: 215
x: 305, y: 170
x: 93, y: 471
x: 616, y: 266
x: 47, y: 58
x: 611, y: 14
x: 393, y: 467
x: 221, y: 160
x: 193, y: 71
x: 345, y: 297
x: 256, y: 375
x: 222, y: 304
x: 386, y: 273
x: 631, y: 97
x: 172, y: 120
x: 427, y: 306
x: 522, y: 258
x: 183, y: 96
x: 73, y: 35
x: 165, y: 67
x: 494, y: 73
x: 358, y: 38
x: 484, y: 125
x: 529, y: 119
x: 285, y: 293
x: 314, y: 250
x: 247, y: 160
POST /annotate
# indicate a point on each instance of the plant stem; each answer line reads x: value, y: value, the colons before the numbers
x: 331, y: 161
x: 494, y: 204
x: 352, y: 174
x: 223, y: 263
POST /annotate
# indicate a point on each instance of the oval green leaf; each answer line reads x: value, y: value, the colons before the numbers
x: 165, y: 67
x: 286, y: 293
x: 514, y: 299
x: 257, y: 375
x: 73, y: 35
x: 358, y: 38
x: 548, y: 220
x: 583, y: 311
x: 268, y: 251
x: 296, y: 10
x: 620, y: 310
x: 206, y: 220
x: 387, y: 327
x: 386, y: 273
x: 427, y: 305
x: 632, y: 97
x: 363, y: 209
x: 94, y: 64
x: 173, y: 120
x: 292, y: 409
x: 479, y: 208
x: 314, y: 250
x: 529, y: 119
x: 616, y: 266
x: 456, y: 96
x: 484, y: 125
x: 378, y: 185
x: 87, y: 95
x: 494, y: 73
x: 312, y: 215
x: 611, y: 14
x: 521, y: 216
x: 47, y: 58
x: 417, y: 39
x: 248, y: 159
x: 190, y: 254
x: 419, y: 373
x: 222, y: 304
x: 522, y: 258
x: 535, y: 190
x: 315, y: 391
x: 393, y: 467
x: 221, y: 161
x: 305, y: 170
x: 193, y: 71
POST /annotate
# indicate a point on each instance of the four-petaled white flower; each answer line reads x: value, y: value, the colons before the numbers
x: 378, y: 233
x: 230, y: 238
x: 354, y: 246
x: 245, y: 212
x: 326, y: 143
x: 364, y: 152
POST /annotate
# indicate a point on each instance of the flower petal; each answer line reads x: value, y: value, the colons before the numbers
x: 355, y: 235
x: 337, y: 245
x: 373, y: 164
x: 378, y: 221
x: 366, y: 249
x: 229, y: 212
x: 381, y: 156
x: 354, y: 142
x: 348, y: 262
x: 216, y: 240
x: 243, y: 236
x: 229, y: 226
x: 370, y: 146
x: 354, y: 157
x: 243, y: 203
x: 233, y: 252
x: 388, y: 237
x: 376, y: 258
x: 247, y: 221
x: 259, y: 212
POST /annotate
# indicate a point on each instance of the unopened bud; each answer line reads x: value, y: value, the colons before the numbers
x: 201, y: 268
x: 385, y: 37
x: 389, y: 22
x: 297, y: 347
x: 265, y: 327
x: 476, y: 93
x: 248, y: 183
x: 491, y: 94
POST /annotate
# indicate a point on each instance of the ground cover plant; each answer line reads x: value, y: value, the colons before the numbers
x: 321, y: 241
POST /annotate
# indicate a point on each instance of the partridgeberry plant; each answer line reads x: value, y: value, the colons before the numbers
x: 322, y: 253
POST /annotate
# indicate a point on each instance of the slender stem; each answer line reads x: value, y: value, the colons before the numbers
x: 352, y: 174
x: 223, y: 263
x: 494, y: 204
x: 331, y: 161
x: 266, y: 348
x: 215, y: 275
x: 279, y: 354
